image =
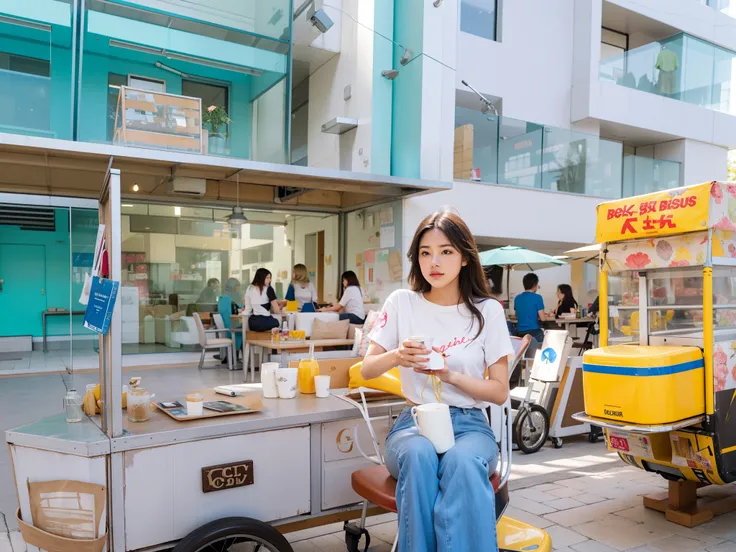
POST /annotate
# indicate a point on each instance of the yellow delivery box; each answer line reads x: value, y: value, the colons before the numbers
x: 644, y: 385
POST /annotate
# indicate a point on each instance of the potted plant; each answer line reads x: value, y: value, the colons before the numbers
x: 216, y: 119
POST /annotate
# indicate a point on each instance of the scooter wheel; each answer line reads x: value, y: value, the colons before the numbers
x: 557, y: 442
x: 531, y: 428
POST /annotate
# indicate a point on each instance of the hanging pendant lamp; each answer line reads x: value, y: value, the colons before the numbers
x: 237, y: 218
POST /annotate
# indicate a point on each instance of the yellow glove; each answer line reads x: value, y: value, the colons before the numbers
x: 390, y: 382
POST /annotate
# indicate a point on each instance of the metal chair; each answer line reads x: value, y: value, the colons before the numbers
x: 217, y: 343
x: 222, y: 329
x: 375, y: 484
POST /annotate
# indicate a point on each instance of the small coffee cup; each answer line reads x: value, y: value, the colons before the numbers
x: 436, y: 362
x: 195, y: 403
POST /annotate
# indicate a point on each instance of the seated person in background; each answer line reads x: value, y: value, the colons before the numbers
x: 566, y: 303
x: 228, y: 305
x: 260, y: 300
x: 351, y: 305
x: 301, y: 289
x: 210, y: 293
x: 529, y: 307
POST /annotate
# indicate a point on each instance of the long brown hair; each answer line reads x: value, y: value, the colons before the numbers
x: 472, y: 280
x: 352, y: 279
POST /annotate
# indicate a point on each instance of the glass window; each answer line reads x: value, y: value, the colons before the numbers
x: 623, y: 309
x: 724, y: 298
x: 679, y: 293
x: 176, y: 261
x: 36, y: 48
x: 478, y: 17
x: 643, y: 175
x: 175, y: 67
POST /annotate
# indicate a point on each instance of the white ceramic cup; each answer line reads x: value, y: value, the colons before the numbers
x: 322, y: 386
x: 434, y: 422
x: 268, y: 380
x: 286, y: 382
x: 436, y: 362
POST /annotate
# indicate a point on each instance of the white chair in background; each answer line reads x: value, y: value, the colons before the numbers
x: 213, y: 343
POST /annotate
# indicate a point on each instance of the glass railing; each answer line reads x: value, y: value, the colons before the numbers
x: 160, y: 81
x: 497, y: 149
x: 36, y: 68
x: 642, y: 175
x: 680, y: 67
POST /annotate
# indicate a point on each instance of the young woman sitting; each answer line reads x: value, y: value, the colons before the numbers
x: 260, y: 301
x: 445, y: 502
x: 301, y: 289
x: 566, y: 303
x: 351, y: 305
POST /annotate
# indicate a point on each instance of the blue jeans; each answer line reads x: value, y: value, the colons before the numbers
x: 445, y: 502
x: 354, y: 318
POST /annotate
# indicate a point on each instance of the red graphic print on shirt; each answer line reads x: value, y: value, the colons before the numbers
x: 453, y: 343
x: 382, y: 320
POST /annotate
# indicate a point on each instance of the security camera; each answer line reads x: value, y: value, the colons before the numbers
x: 437, y: 3
x: 390, y: 74
x: 321, y: 20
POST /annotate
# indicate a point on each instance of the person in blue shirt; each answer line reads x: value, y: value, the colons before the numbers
x: 529, y: 307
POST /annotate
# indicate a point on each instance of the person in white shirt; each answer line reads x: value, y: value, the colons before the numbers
x: 260, y: 300
x: 351, y: 305
x: 301, y: 289
x: 446, y: 501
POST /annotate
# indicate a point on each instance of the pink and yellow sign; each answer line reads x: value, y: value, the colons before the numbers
x: 663, y: 213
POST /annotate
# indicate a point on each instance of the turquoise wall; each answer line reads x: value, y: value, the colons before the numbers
x: 383, y: 58
x: 406, y: 120
x: 82, y: 234
x: 56, y: 245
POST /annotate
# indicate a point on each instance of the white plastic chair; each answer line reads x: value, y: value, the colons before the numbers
x: 217, y: 343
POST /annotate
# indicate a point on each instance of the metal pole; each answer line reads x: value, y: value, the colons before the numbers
x: 111, y: 357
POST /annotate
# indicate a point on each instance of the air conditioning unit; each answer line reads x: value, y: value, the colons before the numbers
x: 192, y: 187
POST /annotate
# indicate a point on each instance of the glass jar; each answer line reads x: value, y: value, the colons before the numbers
x: 73, y: 406
x: 139, y: 404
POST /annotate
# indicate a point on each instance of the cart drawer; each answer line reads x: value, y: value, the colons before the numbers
x: 337, y: 490
x: 164, y: 498
x: 338, y: 441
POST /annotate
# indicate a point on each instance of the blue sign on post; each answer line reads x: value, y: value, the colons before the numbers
x: 102, y: 296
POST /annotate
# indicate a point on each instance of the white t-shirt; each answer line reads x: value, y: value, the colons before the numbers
x: 407, y: 313
x: 304, y: 294
x: 255, y: 299
x: 352, y: 301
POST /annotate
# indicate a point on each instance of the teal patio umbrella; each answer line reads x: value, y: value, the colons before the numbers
x: 511, y: 256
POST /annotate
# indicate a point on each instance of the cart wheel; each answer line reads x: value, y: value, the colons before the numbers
x: 557, y: 442
x: 234, y: 534
x: 592, y: 437
x: 531, y: 428
x: 352, y: 537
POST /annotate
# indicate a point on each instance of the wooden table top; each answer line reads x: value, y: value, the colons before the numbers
x: 266, y: 343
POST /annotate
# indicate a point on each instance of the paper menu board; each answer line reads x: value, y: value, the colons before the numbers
x: 388, y: 237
